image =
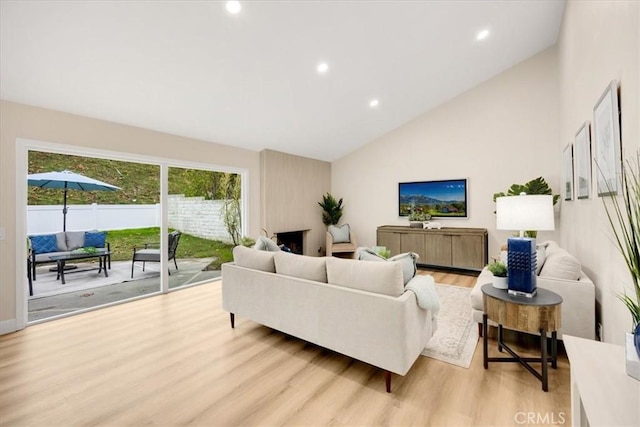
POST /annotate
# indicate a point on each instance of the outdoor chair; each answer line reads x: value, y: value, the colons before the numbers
x: 149, y: 254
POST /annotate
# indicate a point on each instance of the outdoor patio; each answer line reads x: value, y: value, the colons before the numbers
x: 86, y: 289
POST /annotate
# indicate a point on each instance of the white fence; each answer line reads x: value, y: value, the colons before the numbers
x: 191, y: 215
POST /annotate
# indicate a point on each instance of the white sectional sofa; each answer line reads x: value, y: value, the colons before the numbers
x: 560, y: 272
x: 357, y: 308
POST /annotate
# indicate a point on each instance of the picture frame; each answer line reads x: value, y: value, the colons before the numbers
x: 567, y: 172
x: 606, y: 136
x: 582, y: 146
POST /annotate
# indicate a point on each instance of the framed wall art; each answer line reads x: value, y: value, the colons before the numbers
x: 606, y: 135
x: 582, y: 146
x: 567, y: 172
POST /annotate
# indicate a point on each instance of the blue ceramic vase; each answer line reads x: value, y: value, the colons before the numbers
x: 636, y: 339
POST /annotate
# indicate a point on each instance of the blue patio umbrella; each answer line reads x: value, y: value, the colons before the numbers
x: 68, y: 180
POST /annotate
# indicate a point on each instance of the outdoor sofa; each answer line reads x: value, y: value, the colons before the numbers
x: 44, y: 246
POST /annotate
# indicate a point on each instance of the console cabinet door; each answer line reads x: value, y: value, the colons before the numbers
x: 468, y: 251
x: 411, y: 242
x: 390, y: 240
x: 437, y: 250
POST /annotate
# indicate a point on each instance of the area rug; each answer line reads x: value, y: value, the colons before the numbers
x: 457, y: 335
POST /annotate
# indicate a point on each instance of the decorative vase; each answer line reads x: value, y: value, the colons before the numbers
x: 633, y: 359
x: 636, y: 338
x: 415, y: 224
x: 500, y: 282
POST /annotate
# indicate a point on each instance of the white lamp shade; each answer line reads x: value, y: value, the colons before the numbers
x: 525, y: 212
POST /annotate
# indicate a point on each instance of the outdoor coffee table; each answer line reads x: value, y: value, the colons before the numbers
x: 101, y: 254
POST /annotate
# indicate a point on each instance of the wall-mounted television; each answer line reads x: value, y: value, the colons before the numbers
x: 441, y: 199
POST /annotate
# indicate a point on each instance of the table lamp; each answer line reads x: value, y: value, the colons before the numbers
x: 523, y: 212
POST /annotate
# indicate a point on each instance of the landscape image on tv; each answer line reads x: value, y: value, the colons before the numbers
x: 438, y: 198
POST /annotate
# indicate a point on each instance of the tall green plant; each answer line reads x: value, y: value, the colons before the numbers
x: 332, y: 209
x: 625, y: 223
x: 231, y: 210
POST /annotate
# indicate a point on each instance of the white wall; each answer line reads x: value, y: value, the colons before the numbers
x: 501, y: 132
x: 599, y: 42
x: 197, y: 217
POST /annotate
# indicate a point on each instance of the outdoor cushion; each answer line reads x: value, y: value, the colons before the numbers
x: 97, y: 239
x: 265, y: 244
x: 305, y: 267
x: 255, y: 259
x: 61, y: 238
x: 152, y: 255
x: 44, y: 243
x: 75, y: 240
x: 340, y: 234
x: 46, y: 256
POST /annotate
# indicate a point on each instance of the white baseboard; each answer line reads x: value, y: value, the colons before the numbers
x: 8, y: 326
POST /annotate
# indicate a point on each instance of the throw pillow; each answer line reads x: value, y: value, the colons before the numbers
x: 44, y: 244
x: 254, y: 259
x: 96, y: 239
x: 366, y: 254
x: 408, y: 263
x: 340, y: 234
x: 265, y: 244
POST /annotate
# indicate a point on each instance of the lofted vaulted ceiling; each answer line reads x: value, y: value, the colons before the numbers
x: 250, y: 80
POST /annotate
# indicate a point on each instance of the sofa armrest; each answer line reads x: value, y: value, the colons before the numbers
x: 578, y: 305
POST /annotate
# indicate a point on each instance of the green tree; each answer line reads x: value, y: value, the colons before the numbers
x: 231, y: 190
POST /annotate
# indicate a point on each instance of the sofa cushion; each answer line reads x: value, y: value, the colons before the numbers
x: 265, y: 244
x: 47, y: 256
x: 254, y: 259
x: 407, y: 261
x: 96, y: 239
x: 61, y: 238
x: 305, y: 267
x: 379, y: 277
x: 44, y: 243
x: 560, y: 264
x: 75, y: 240
x: 340, y: 234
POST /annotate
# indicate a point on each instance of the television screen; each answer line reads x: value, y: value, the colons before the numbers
x: 441, y: 199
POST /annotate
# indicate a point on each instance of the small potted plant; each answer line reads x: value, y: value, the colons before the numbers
x: 417, y: 217
x: 499, y: 271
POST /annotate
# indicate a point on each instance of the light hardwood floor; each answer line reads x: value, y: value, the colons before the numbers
x: 174, y: 360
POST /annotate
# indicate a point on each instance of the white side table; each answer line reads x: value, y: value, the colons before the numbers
x: 602, y: 394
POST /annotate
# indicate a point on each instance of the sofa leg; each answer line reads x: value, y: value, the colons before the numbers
x: 387, y: 380
x: 232, y: 317
x: 480, y: 330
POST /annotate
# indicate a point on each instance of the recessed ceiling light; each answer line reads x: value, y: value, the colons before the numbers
x: 233, y: 7
x: 482, y: 35
x: 374, y: 103
x: 323, y: 67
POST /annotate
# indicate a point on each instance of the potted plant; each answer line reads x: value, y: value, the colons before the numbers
x: 332, y: 209
x: 624, y: 219
x: 535, y: 186
x: 417, y: 217
x: 499, y: 271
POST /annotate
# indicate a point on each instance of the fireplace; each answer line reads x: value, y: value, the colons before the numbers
x: 294, y: 240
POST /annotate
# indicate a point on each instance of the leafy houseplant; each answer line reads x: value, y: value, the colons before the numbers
x: 332, y: 209
x: 499, y: 271
x: 419, y: 215
x: 535, y: 186
x: 625, y: 223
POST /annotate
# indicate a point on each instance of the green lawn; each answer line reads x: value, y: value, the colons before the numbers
x: 123, y: 241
